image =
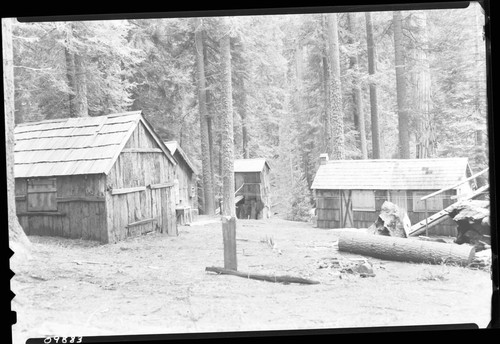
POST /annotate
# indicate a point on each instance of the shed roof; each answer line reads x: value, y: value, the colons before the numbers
x: 173, y: 146
x: 390, y: 174
x: 250, y: 165
x: 70, y: 146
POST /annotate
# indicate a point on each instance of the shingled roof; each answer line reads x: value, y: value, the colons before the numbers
x: 173, y: 146
x: 250, y: 165
x: 390, y: 174
x: 70, y: 146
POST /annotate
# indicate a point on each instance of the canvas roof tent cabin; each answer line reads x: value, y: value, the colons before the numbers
x: 350, y: 193
x: 185, y: 189
x: 100, y: 178
x: 252, y: 188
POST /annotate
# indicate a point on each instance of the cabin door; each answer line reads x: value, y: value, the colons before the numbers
x: 346, y: 216
x: 163, y: 209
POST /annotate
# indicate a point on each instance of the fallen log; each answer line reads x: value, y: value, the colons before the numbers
x: 403, y: 249
x: 274, y: 279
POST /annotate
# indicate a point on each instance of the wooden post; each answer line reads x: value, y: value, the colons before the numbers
x: 229, y: 237
x: 426, y: 219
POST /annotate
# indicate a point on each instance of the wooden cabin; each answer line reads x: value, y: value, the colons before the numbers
x: 350, y: 193
x: 252, y: 188
x: 101, y: 178
x: 185, y: 188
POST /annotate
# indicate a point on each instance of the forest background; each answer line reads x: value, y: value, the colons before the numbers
x: 374, y: 85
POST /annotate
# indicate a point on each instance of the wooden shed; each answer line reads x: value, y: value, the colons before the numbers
x: 185, y: 188
x: 101, y: 178
x: 252, y: 184
x: 350, y: 193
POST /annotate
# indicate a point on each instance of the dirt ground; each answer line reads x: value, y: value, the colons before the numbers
x: 157, y: 284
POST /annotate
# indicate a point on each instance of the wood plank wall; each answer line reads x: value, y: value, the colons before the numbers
x: 185, y: 177
x: 328, y: 212
x: 81, y: 209
x: 135, y: 168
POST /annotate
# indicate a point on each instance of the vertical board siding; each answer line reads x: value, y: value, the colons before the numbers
x: 134, y: 169
x: 81, y: 219
x: 328, y: 212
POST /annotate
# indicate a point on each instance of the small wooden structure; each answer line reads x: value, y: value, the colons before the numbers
x: 100, y: 178
x: 185, y: 190
x: 350, y: 193
x: 252, y: 188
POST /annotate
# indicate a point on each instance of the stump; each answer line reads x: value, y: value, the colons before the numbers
x: 408, y: 250
x: 392, y: 221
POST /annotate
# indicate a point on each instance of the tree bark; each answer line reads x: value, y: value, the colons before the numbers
x: 359, y: 116
x: 372, y: 69
x: 70, y: 71
x: 424, y: 130
x: 208, y: 186
x: 81, y: 107
x: 18, y: 241
x: 404, y: 249
x: 335, y: 95
x: 404, y: 144
x: 244, y: 125
x: 227, y: 135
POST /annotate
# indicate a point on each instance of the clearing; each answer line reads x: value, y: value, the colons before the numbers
x: 158, y: 284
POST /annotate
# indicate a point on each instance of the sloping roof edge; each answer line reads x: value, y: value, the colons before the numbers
x: 149, y: 128
x: 182, y: 153
x: 266, y: 163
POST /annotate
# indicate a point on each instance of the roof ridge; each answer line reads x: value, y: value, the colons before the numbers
x: 394, y: 160
x: 56, y: 120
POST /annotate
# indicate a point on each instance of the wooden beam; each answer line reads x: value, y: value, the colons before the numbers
x: 454, y: 186
x: 127, y: 190
x: 41, y: 213
x: 441, y: 216
x: 229, y: 240
x: 161, y: 185
x: 20, y: 197
x: 274, y: 279
x: 142, y: 150
x: 142, y: 222
x: 80, y: 199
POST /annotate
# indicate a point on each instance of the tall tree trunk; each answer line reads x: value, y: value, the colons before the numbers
x: 79, y: 87
x: 335, y: 95
x: 81, y: 104
x: 359, y: 116
x: 372, y: 69
x: 18, y: 241
x: 208, y: 186
x: 244, y: 119
x: 210, y: 121
x: 327, y: 123
x: 227, y: 144
x: 422, y: 88
x: 70, y: 70
x: 404, y: 144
